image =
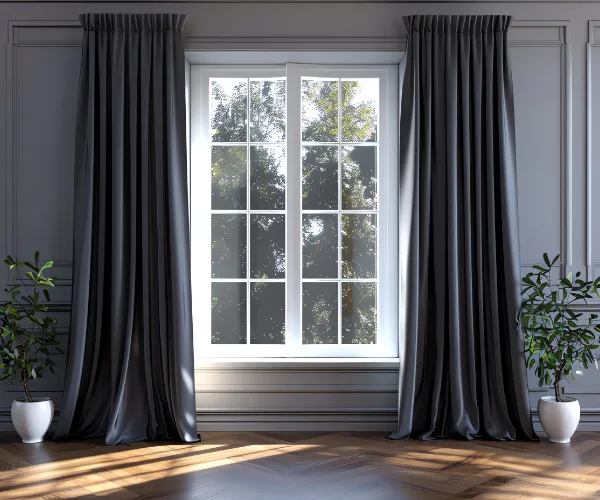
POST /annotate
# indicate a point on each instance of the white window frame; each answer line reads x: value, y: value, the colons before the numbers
x: 200, y: 213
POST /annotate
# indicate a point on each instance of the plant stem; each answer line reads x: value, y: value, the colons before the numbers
x: 557, y: 388
x: 29, y: 398
x: 23, y: 281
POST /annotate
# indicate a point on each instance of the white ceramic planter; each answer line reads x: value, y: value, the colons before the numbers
x: 32, y: 419
x: 559, y: 420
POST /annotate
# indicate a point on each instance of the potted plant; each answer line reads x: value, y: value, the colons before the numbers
x: 27, y: 344
x: 556, y: 338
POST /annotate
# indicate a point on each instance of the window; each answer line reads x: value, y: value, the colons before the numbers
x: 294, y: 225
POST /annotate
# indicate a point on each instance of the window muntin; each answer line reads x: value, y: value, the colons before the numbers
x: 248, y: 168
x: 294, y: 271
x: 340, y: 164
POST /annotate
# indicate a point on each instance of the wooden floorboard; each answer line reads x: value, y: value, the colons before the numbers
x: 302, y: 466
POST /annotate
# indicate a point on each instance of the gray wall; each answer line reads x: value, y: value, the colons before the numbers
x: 556, y: 70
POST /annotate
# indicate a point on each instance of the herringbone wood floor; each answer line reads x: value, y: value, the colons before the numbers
x: 302, y: 466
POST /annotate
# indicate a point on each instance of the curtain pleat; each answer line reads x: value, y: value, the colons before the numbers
x: 130, y: 373
x: 462, y: 368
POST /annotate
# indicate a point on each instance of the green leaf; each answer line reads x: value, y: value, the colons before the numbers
x: 26, y: 332
x: 547, y: 260
x: 48, y: 264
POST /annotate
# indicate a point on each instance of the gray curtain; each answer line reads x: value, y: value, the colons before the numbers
x: 130, y: 373
x: 462, y: 364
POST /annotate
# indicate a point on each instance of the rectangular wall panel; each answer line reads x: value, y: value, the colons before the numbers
x: 594, y: 149
x: 46, y: 82
x: 539, y: 121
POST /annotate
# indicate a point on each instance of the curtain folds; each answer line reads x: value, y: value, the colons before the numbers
x: 130, y: 373
x: 462, y: 363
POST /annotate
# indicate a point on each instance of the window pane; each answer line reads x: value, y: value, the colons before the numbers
x: 267, y: 253
x: 319, y: 313
x: 267, y: 110
x: 359, y: 246
x: 319, y: 110
x: 319, y: 246
x: 359, y: 313
x: 360, y: 101
x: 359, y: 178
x: 267, y: 178
x: 320, y: 178
x: 228, y: 177
x: 228, y: 109
x: 228, y: 313
x: 228, y: 246
x: 267, y: 313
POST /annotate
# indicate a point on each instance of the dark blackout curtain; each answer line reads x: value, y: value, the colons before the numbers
x: 462, y: 364
x: 130, y: 369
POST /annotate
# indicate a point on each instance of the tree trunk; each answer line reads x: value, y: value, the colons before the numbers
x: 557, y: 389
x: 29, y: 398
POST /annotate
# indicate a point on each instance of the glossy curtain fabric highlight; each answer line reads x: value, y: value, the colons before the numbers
x: 130, y: 373
x: 462, y: 371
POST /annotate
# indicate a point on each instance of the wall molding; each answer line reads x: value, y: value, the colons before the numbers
x: 581, y: 390
x: 327, y: 419
x: 562, y: 40
x: 17, y: 38
x: 383, y: 420
x: 299, y: 389
x: 278, y: 365
x: 295, y: 43
x: 593, y: 43
x: 590, y: 420
x: 59, y: 306
x: 568, y: 389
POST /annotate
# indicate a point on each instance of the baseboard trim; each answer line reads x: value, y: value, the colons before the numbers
x: 250, y: 420
x: 326, y: 420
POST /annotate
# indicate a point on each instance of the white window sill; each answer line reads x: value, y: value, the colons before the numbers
x: 295, y: 363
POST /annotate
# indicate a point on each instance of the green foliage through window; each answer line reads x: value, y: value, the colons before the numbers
x: 248, y: 134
